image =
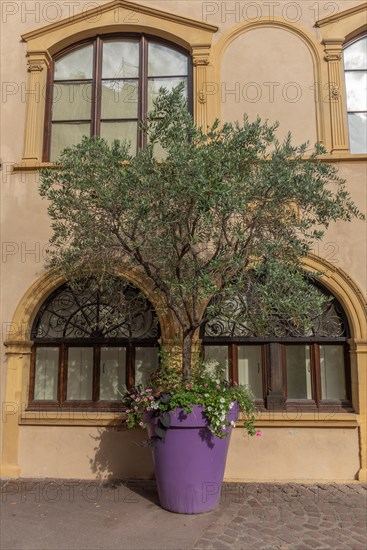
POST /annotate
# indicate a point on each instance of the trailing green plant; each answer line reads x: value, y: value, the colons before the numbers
x: 207, y: 388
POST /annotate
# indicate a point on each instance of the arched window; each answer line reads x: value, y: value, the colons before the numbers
x: 86, y: 349
x: 105, y: 87
x: 355, y: 67
x: 297, y: 370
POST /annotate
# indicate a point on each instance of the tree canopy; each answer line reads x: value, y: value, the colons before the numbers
x: 227, y: 212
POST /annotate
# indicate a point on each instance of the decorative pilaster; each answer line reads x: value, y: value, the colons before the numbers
x: 337, y: 99
x: 358, y: 365
x: 200, y: 57
x: 34, y: 95
x: 17, y: 374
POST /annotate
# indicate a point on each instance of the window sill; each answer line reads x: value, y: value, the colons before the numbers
x: 34, y: 166
x: 268, y: 419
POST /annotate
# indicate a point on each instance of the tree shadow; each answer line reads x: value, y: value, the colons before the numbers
x: 122, y: 459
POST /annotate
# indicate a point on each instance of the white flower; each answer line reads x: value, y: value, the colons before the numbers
x: 217, y: 381
x: 231, y: 405
x: 206, y: 395
x: 233, y: 424
x: 222, y: 400
x: 208, y: 408
x: 154, y: 405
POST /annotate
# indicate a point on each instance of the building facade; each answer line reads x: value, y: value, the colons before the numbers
x: 93, y: 68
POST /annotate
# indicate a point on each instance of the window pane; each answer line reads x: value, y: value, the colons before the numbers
x: 357, y: 132
x: 119, y: 99
x: 47, y: 369
x: 77, y: 65
x: 72, y: 101
x: 164, y: 61
x: 120, y: 130
x: 332, y: 372
x: 157, y: 83
x: 356, y: 84
x: 112, y: 373
x: 66, y: 135
x: 218, y: 355
x: 120, y: 59
x: 80, y: 374
x: 355, y: 55
x: 146, y: 361
x: 298, y: 372
x: 249, y: 369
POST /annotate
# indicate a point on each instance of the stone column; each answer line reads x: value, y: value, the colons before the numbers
x: 337, y: 98
x: 35, y: 96
x: 200, y: 57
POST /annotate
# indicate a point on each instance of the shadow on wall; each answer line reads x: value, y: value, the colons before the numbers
x: 121, y: 454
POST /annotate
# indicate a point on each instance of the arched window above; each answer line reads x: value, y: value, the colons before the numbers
x: 293, y: 369
x: 88, y: 346
x: 355, y: 68
x: 106, y: 87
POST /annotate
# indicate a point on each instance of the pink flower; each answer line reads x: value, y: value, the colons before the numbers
x: 259, y: 434
x: 128, y: 411
x: 141, y: 424
x: 149, y: 408
x: 138, y: 399
x: 147, y: 391
x: 217, y: 387
x: 136, y: 408
x: 145, y: 399
x: 151, y: 397
x: 133, y: 396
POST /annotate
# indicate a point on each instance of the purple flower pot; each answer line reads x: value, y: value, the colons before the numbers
x: 190, y: 462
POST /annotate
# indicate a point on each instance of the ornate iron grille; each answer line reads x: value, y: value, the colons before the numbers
x: 330, y: 324
x: 89, y: 313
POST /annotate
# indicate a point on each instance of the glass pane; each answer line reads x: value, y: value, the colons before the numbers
x: 77, y: 65
x: 47, y: 369
x: 164, y: 61
x: 112, y: 373
x: 80, y: 374
x: 358, y: 132
x: 355, y: 55
x: 120, y: 99
x: 298, y: 372
x: 356, y: 84
x: 218, y: 355
x: 66, y: 135
x: 168, y: 83
x: 146, y: 361
x: 120, y: 130
x: 72, y: 101
x: 332, y: 372
x: 249, y: 369
x: 120, y: 59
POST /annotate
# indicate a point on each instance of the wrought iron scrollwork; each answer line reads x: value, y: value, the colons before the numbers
x: 85, y: 314
x: 330, y: 324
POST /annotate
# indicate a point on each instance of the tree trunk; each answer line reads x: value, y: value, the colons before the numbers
x: 187, y: 354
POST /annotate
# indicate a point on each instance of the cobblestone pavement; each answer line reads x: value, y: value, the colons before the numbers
x: 82, y: 515
x: 289, y: 517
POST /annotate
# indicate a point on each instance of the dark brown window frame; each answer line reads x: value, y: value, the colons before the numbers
x: 274, y: 373
x: 95, y: 403
x: 97, y: 42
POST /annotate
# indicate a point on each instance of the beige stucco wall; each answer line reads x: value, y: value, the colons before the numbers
x: 260, y: 75
x: 288, y: 453
x: 259, y: 55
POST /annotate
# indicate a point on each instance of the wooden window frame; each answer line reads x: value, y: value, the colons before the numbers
x: 95, y: 403
x: 97, y: 42
x: 274, y: 373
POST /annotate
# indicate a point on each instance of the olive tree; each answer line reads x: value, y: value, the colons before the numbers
x: 207, y: 216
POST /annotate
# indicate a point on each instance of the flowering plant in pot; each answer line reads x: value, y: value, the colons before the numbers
x: 189, y: 423
x: 225, y: 216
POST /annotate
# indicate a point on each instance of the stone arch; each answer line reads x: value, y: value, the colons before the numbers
x: 314, y: 47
